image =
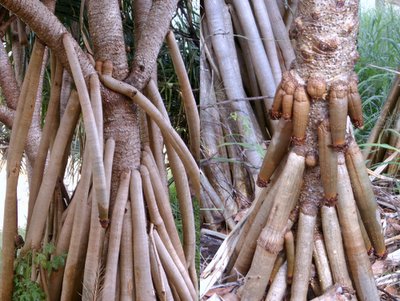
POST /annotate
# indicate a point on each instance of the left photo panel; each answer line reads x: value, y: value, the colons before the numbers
x: 100, y: 143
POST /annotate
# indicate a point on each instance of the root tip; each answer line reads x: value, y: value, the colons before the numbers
x: 358, y: 124
x: 262, y: 183
x: 381, y: 255
x: 104, y: 223
x: 274, y: 115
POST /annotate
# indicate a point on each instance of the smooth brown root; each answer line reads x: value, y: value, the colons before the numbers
x: 316, y: 87
x: 157, y: 221
x: 338, y: 113
x: 328, y: 162
x: 355, y: 106
x: 301, y: 109
x: 290, y: 255
x: 271, y: 238
x: 304, y: 247
x: 161, y: 285
x: 189, y: 102
x: 42, y: 204
x: 278, y: 286
x: 287, y: 106
x: 365, y: 197
x: 74, y: 266
x: 171, y: 270
x: 126, y: 258
x: 114, y: 243
x: 357, y: 256
x: 247, y: 243
x: 334, y: 246
x: 163, y: 202
x: 276, y: 151
x: 248, y: 223
x: 276, y: 110
x: 96, y: 155
x: 280, y: 259
x: 49, y: 130
x: 367, y: 241
x: 141, y: 258
x: 322, y: 263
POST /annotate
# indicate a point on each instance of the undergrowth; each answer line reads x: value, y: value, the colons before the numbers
x: 25, y: 289
x: 379, y: 47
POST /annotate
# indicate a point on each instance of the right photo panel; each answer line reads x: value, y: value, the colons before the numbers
x: 299, y: 150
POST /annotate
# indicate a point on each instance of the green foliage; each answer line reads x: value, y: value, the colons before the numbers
x: 378, y: 45
x: 26, y: 289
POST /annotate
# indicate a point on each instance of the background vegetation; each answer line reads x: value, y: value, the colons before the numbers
x: 379, y: 49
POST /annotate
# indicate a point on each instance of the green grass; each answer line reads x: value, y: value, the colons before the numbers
x: 379, y: 45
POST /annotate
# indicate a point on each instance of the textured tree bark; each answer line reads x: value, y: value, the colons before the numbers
x: 8, y: 82
x: 150, y: 41
x: 120, y: 116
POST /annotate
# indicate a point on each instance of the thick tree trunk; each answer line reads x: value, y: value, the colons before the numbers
x: 120, y: 116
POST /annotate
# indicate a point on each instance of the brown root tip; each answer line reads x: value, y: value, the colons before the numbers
x: 358, y: 124
x: 289, y: 279
x: 99, y: 66
x: 262, y: 183
x: 298, y: 141
x: 311, y: 160
x: 370, y: 251
x: 383, y: 255
x: 104, y: 223
x: 330, y: 202
x: 274, y: 115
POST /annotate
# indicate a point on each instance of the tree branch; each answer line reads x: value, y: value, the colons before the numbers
x: 150, y: 41
x: 48, y: 28
x: 6, y: 116
x: 8, y: 82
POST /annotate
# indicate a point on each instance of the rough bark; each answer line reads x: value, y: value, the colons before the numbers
x: 106, y: 33
x: 8, y: 82
x: 150, y: 42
